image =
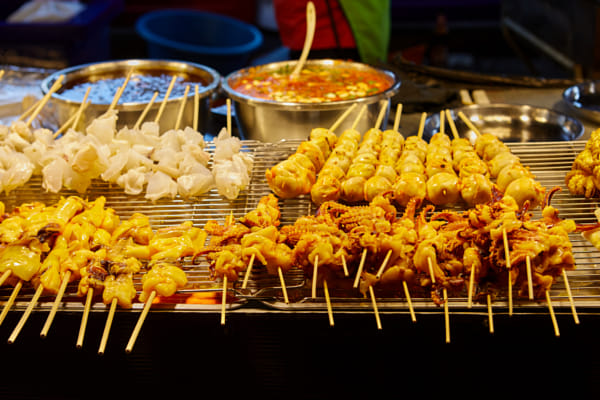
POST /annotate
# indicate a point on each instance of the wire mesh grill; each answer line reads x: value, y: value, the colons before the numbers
x: 548, y: 161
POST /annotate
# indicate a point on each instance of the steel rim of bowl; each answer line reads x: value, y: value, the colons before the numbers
x: 573, y: 99
x: 524, y: 109
x: 252, y: 101
x: 124, y: 65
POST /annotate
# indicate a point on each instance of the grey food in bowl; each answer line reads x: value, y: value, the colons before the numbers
x: 511, y: 123
x: 274, y: 120
x: 147, y: 76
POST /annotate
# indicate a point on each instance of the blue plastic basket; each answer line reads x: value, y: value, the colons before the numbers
x: 215, y: 40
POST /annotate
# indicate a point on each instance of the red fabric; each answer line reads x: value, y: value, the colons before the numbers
x: 291, y: 20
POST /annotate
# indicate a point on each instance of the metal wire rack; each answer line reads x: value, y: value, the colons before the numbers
x: 549, y: 161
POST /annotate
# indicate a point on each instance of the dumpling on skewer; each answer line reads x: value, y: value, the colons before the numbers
x: 231, y: 166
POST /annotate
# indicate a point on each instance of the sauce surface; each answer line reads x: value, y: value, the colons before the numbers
x: 315, y: 84
x: 139, y: 89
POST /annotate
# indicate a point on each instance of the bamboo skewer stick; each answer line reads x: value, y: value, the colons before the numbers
x: 571, y: 302
x: 84, y: 317
x: 142, y: 116
x: 81, y: 108
x: 384, y: 264
x: 529, y: 280
x: 182, y: 107
x: 5, y: 276
x: 328, y: 302
x: 442, y: 122
x: 311, y: 16
x: 228, y: 102
x: 26, y: 314
x: 397, y: 117
x: 552, y: 316
x: 71, y: 121
x: 11, y: 300
x: 120, y: 91
x: 140, y: 322
x: 196, y: 108
x: 422, y: 124
x: 224, y: 300
x: 57, y: 300
x: 163, y: 104
x: 446, y: 315
x: 283, y: 286
x: 345, y: 266
x: 413, y: 317
x: 55, y: 86
x: 342, y: 117
x: 470, y: 290
x: 360, y: 268
x: 29, y: 110
x: 314, y: 278
x: 490, y: 315
x: 107, y: 326
x: 452, y: 125
x: 248, y: 270
x: 508, y: 268
x: 469, y: 124
x: 375, y: 309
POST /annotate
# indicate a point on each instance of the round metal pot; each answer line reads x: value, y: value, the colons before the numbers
x: 61, y: 107
x: 272, y: 121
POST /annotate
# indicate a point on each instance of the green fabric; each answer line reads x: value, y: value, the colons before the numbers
x: 370, y: 21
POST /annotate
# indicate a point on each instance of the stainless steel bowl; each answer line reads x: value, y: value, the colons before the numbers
x: 584, y: 99
x: 271, y: 121
x: 511, y: 123
x: 62, y: 107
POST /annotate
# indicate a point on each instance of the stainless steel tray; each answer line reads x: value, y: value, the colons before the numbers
x: 512, y: 123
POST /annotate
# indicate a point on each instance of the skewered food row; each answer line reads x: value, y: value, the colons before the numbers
x: 582, y: 180
x: 444, y: 171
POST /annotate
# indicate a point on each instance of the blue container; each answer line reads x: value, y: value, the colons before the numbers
x: 215, y: 40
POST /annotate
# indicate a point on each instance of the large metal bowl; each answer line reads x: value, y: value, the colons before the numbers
x: 511, y: 123
x: 62, y: 107
x: 584, y: 99
x: 271, y: 121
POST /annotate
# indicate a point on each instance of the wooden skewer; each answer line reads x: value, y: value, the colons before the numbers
x: 163, y: 104
x: 508, y: 268
x: 140, y: 322
x: 248, y: 270
x: 342, y: 117
x: 224, y: 300
x: 84, y: 317
x: 81, y: 108
x: 452, y: 125
x: 5, y: 276
x: 345, y: 266
x: 422, y: 125
x: 490, y: 315
x: 120, y: 91
x: 568, y: 287
x: 375, y: 309
x: 70, y: 121
x: 57, y: 300
x: 55, y: 86
x: 398, y: 116
x: 26, y: 314
x: 29, y: 110
x: 413, y: 317
x: 360, y: 268
x: 381, y: 114
x: 228, y: 102
x: 442, y: 123
x: 142, y: 116
x: 11, y: 300
x: 384, y: 264
x: 328, y: 302
x: 468, y: 122
x: 283, y: 287
x: 471, y: 284
x: 196, y: 108
x: 529, y: 280
x: 314, y: 279
x: 552, y: 316
x: 107, y: 326
x: 430, y: 265
x: 446, y: 316
x: 182, y: 107
x: 1, y: 73
x: 359, y: 116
